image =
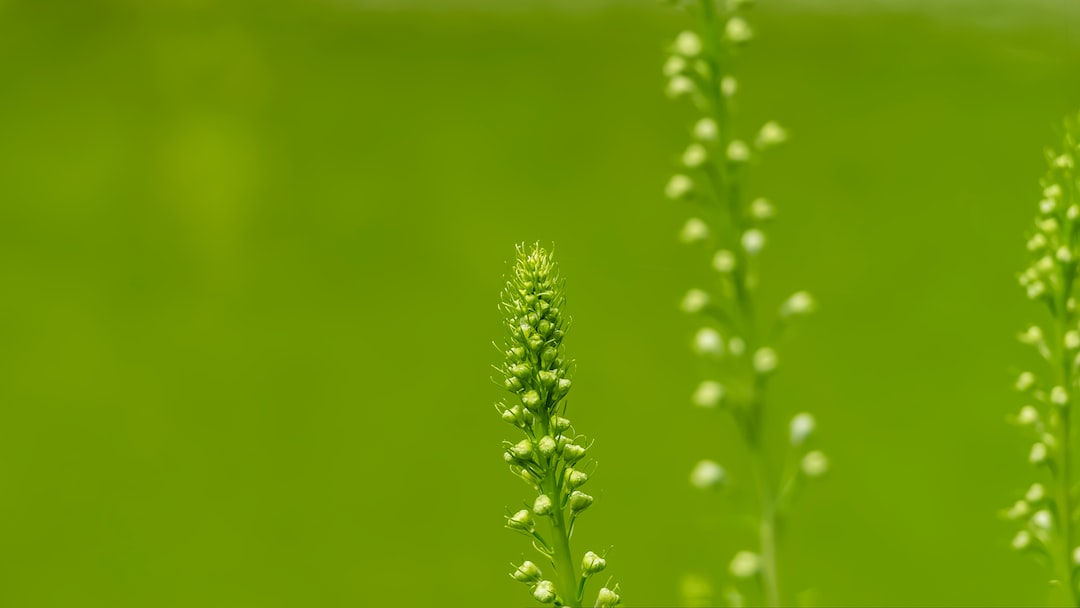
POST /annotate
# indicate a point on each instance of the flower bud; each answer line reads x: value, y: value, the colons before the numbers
x: 1035, y: 493
x: 1038, y: 453
x: 520, y: 370
x: 560, y: 424
x: 694, y: 301
x: 1022, y: 540
x: 674, y: 66
x: 723, y: 261
x: 770, y: 135
x: 679, y: 187
x: 1028, y: 415
x: 542, y: 505
x: 549, y: 354
x: 1072, y: 339
x: 527, y: 572
x: 575, y: 478
x: 695, y: 156
x: 573, y: 452
x: 694, y: 231
x: 707, y: 474
x: 546, y: 446
x: 799, y: 303
x: 745, y: 564
x: 522, y: 449
x: 729, y: 86
x: 1042, y: 519
x: 679, y: 86
x: 579, y: 501
x: 513, y: 384
x: 688, y: 44
x: 563, y: 386
x: 706, y: 129
x: 1020, y: 508
x: 708, y: 394
x: 738, y: 152
x: 512, y: 415
x: 737, y: 30
x: 802, y: 426
x: 707, y: 341
x: 764, y: 360
x: 522, y: 520
x: 531, y: 399
x: 761, y: 209
x: 592, y: 564
x: 814, y: 464
x: 607, y: 598
x: 753, y: 241
x: 544, y: 592
x: 1025, y: 382
x: 548, y: 378
x: 1059, y: 397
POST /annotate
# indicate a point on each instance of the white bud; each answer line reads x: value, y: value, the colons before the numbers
x: 771, y: 134
x: 679, y: 187
x: 764, y: 360
x: 1064, y: 255
x: 1047, y: 205
x: 1042, y: 519
x: 728, y: 86
x: 1025, y: 381
x: 1035, y: 493
x: 802, y: 426
x: 1022, y: 540
x: 1037, y: 242
x: 814, y: 464
x: 592, y: 563
x: 1019, y: 509
x: 738, y: 152
x: 737, y: 30
x: 1028, y: 415
x: 607, y: 598
x: 1072, y: 339
x: 527, y: 572
x: 1063, y: 162
x: 745, y: 564
x: 706, y: 129
x: 1036, y: 290
x: 694, y: 301
x: 1038, y: 453
x: 674, y: 66
x: 680, y: 85
x: 688, y: 44
x: 1052, y: 191
x: 761, y: 209
x: 695, y: 156
x: 736, y: 346
x: 753, y: 241
x: 707, y: 474
x: 708, y: 394
x: 1059, y: 396
x: 522, y: 520
x: 707, y: 341
x: 1033, y: 335
x: 542, y: 505
x: 544, y: 592
x: 546, y: 446
x: 1076, y: 556
x: 1072, y: 212
x: 1049, y: 225
x: 724, y: 261
x: 799, y: 303
x: 694, y: 230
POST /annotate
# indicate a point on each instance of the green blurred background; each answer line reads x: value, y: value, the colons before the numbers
x: 251, y: 253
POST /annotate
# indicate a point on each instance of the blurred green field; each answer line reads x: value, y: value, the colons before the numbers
x: 251, y: 253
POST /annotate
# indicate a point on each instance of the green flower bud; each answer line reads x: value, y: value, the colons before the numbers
x: 548, y: 378
x: 607, y: 598
x: 572, y: 452
x: 542, y: 505
x: 522, y: 449
x: 535, y: 341
x: 520, y: 370
x: 575, y: 478
x: 513, y: 384
x: 563, y: 387
x: 527, y: 572
x: 546, y: 446
x: 560, y: 424
x: 544, y: 592
x: 592, y: 563
x: 522, y: 520
x: 549, y: 355
x: 512, y: 415
x: 531, y: 399
x: 579, y: 501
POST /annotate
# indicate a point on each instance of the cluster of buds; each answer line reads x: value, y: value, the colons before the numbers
x: 1046, y: 511
x: 550, y: 457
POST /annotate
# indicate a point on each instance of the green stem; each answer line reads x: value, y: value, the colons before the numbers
x: 1069, y: 595
x: 767, y: 503
x: 567, y: 578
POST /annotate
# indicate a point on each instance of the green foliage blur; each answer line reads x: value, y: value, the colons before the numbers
x: 251, y: 250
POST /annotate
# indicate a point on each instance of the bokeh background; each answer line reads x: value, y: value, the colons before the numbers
x: 250, y: 252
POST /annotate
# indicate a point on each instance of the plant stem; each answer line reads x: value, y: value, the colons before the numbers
x: 567, y: 581
x: 767, y: 527
x: 1064, y: 560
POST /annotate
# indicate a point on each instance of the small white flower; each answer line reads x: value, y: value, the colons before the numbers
x: 745, y: 564
x: 544, y: 592
x: 542, y: 505
x: 737, y: 151
x: 761, y: 209
x: 1019, y: 509
x: 674, y: 66
x: 771, y: 134
x: 802, y: 426
x: 737, y: 30
x: 1037, y: 242
x: 799, y: 303
x: 1042, y: 519
x: 708, y: 394
x: 1059, y: 396
x: 1052, y: 191
x: 1025, y: 381
x: 724, y: 261
x: 688, y: 44
x: 1022, y: 540
x: 706, y: 129
x: 1047, y: 205
x: 1072, y: 212
x: 1028, y: 415
x: 1064, y: 254
x: 707, y: 341
x: 1036, y: 290
x: 1064, y: 161
x: 1038, y: 453
x: 753, y: 241
x: 707, y: 474
x: 694, y: 230
x: 1035, y: 493
x: 607, y: 598
x: 592, y: 563
x: 695, y: 156
x: 764, y: 360
x: 815, y: 464
x: 728, y: 86
x: 1033, y: 335
x: 679, y: 187
x: 694, y: 301
x: 680, y: 85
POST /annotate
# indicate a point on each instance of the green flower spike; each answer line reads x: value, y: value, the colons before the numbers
x: 1046, y: 417
x: 537, y: 372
